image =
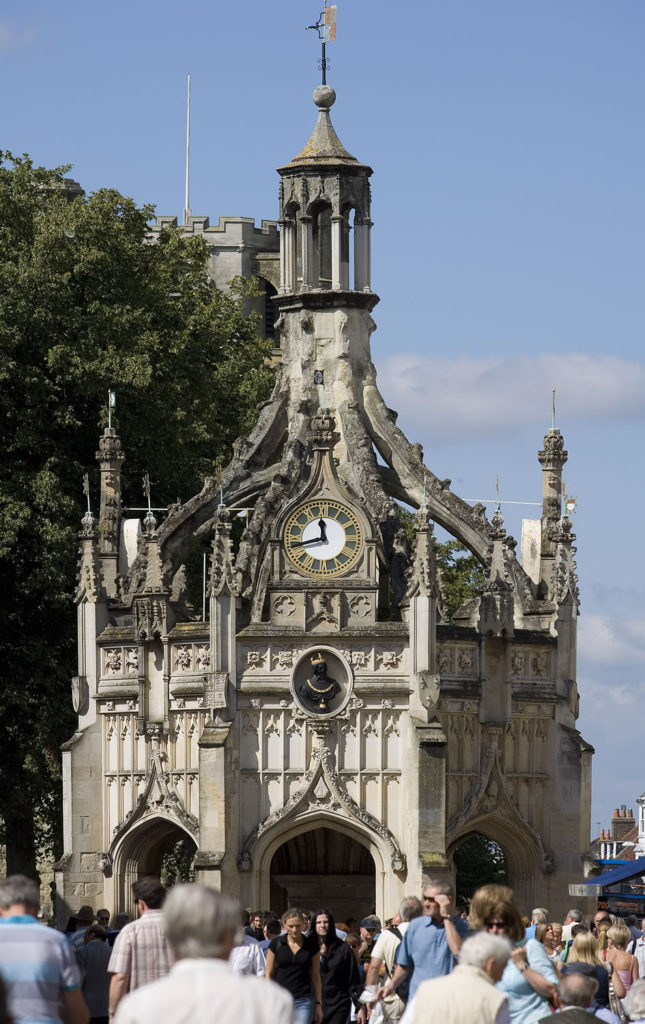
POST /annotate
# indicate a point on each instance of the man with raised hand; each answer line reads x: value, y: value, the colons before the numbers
x: 431, y: 943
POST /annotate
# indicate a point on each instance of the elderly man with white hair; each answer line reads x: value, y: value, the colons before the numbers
x: 468, y: 993
x: 635, y: 1002
x: 201, y: 926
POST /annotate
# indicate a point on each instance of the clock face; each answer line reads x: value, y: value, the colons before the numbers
x: 323, y: 538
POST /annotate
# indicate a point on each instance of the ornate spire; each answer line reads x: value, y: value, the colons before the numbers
x: 324, y: 146
x: 222, y: 573
x: 88, y: 579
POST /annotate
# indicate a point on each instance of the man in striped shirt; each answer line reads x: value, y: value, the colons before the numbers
x: 38, y: 964
x: 141, y: 953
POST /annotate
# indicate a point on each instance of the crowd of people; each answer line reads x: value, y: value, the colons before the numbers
x: 192, y: 956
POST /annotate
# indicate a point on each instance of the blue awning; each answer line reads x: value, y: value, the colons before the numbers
x: 633, y: 869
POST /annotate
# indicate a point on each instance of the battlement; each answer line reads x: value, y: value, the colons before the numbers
x: 236, y: 230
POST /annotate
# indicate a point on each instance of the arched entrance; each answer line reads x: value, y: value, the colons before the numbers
x: 478, y: 860
x: 147, y: 849
x: 523, y: 856
x: 323, y: 868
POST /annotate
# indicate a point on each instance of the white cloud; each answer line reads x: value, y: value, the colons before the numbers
x: 607, y: 640
x: 452, y: 398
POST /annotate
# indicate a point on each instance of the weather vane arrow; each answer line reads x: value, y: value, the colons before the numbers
x: 326, y: 29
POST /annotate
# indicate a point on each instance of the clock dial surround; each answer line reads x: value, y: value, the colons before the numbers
x: 323, y: 538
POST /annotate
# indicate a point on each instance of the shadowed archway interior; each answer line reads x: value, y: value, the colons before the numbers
x: 144, y: 852
x: 323, y: 868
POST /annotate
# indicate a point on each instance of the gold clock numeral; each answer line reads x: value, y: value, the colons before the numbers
x: 307, y: 562
x: 323, y: 508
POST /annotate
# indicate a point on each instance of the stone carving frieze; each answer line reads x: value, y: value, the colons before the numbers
x: 530, y: 663
x: 120, y: 662
x: 159, y: 795
x: 322, y: 786
x: 190, y: 658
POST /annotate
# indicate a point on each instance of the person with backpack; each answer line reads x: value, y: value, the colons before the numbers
x: 382, y: 962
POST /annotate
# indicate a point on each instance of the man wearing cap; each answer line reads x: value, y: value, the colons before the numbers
x: 369, y: 930
x: 84, y: 919
x: 431, y: 943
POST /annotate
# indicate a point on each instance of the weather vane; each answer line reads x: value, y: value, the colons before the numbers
x: 326, y: 29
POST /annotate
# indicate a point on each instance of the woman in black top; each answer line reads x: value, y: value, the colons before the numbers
x: 338, y: 969
x: 293, y: 960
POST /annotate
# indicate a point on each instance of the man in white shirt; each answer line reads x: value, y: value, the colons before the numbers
x: 381, y: 966
x: 248, y: 958
x: 201, y: 926
x: 639, y: 951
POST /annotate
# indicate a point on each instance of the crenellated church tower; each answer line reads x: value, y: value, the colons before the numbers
x: 326, y: 736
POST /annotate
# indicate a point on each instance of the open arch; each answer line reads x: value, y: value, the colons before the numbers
x: 323, y: 868
x: 321, y: 272
x: 478, y: 860
x: 525, y: 861
x: 140, y: 851
x: 344, y: 834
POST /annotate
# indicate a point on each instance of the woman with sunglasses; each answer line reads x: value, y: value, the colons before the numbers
x: 529, y: 978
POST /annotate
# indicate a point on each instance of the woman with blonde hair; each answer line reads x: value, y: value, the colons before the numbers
x: 583, y: 951
x: 544, y: 934
x: 625, y: 965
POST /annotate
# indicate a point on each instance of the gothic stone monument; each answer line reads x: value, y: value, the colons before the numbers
x: 325, y: 736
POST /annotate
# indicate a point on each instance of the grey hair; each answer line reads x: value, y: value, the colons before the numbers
x: 410, y: 907
x: 539, y: 915
x: 575, y: 915
x: 634, y: 1001
x: 197, y: 920
x: 444, y: 887
x: 577, y: 989
x: 480, y: 947
x: 18, y: 889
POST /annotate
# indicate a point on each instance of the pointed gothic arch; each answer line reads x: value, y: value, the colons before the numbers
x: 139, y: 851
x: 523, y: 852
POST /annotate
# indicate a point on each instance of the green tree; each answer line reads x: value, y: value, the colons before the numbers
x: 462, y: 575
x: 478, y: 861
x: 88, y: 304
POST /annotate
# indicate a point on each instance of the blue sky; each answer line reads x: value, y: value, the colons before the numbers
x: 508, y: 148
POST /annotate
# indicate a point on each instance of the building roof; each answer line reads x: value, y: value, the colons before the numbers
x: 324, y: 146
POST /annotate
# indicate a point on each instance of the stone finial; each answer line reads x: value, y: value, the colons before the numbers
x: 322, y: 432
x: 553, y: 455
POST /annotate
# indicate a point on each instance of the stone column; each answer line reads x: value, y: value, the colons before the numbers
x: 307, y: 252
x: 362, y: 255
x: 432, y: 801
x: 336, y: 242
x: 212, y: 804
x: 552, y: 458
x: 110, y: 457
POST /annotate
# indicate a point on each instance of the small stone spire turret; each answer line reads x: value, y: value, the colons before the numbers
x: 319, y: 189
x: 110, y: 458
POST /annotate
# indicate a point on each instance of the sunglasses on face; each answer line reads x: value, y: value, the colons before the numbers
x: 496, y: 926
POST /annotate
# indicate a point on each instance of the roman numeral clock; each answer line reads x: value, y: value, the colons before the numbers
x: 323, y: 538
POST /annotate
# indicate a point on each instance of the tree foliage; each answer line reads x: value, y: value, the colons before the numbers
x: 478, y: 861
x: 87, y: 303
x: 462, y: 575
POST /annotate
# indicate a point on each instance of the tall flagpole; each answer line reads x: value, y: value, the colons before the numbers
x: 187, y: 202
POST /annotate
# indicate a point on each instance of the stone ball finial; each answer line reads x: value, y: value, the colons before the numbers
x: 324, y: 96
